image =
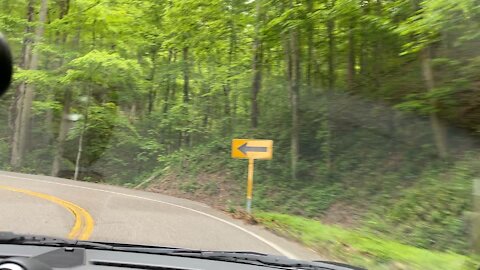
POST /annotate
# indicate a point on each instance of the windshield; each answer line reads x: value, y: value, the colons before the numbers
x: 331, y: 130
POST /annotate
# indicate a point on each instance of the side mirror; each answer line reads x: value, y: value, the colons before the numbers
x: 6, y: 65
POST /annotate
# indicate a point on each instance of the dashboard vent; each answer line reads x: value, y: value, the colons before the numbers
x: 136, y: 266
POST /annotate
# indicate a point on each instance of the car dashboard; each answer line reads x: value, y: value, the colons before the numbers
x: 23, y: 257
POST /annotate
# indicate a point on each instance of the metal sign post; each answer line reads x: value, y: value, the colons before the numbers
x: 250, y: 184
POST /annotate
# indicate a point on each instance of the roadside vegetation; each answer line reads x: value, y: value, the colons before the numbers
x: 424, y: 209
x: 361, y: 247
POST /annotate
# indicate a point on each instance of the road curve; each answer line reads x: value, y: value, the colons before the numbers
x: 130, y: 216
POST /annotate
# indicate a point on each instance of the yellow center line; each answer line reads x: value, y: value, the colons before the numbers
x: 83, y: 226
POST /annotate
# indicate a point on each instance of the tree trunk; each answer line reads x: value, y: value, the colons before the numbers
x: 439, y: 131
x: 227, y: 88
x: 331, y: 54
x: 351, y: 56
x: 234, y: 108
x: 362, y: 59
x: 227, y: 126
x: 30, y: 89
x: 62, y: 38
x: 82, y: 134
x: 206, y: 104
x: 16, y: 107
x: 186, y: 91
x: 50, y: 63
x: 186, y: 76
x: 152, y: 92
x: 310, y: 48
x: 49, y: 119
x: 132, y: 115
x: 256, y: 68
x: 362, y: 52
x: 62, y: 134
x: 79, y: 153
x: 295, y: 100
x: 168, y: 82
x: 292, y: 70
x: 67, y: 100
x: 378, y: 61
x: 174, y: 78
x: 26, y: 92
x: 326, y: 125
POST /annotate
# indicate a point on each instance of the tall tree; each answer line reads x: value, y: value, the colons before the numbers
x: 256, y: 65
x: 67, y: 101
x: 331, y: 46
x: 186, y: 75
x: 423, y: 27
x: 438, y: 129
x: 292, y: 57
x: 310, y: 61
x: 351, y: 56
x: 16, y: 108
x: 169, y: 92
x: 26, y: 91
x: 152, y: 93
x: 62, y: 133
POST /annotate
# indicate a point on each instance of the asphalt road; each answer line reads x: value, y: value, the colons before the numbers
x: 58, y: 207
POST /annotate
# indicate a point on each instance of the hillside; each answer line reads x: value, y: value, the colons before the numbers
x: 381, y: 179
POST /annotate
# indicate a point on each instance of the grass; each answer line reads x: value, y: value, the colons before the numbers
x: 359, y: 248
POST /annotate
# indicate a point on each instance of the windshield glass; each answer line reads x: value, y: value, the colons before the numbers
x: 316, y: 129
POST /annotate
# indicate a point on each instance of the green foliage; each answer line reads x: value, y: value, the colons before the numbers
x: 431, y: 213
x: 307, y: 199
x: 361, y: 248
x: 211, y: 188
x: 409, y: 198
x: 431, y: 18
x: 230, y: 207
x: 189, y: 186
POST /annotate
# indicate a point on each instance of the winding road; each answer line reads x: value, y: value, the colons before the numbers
x: 59, y: 207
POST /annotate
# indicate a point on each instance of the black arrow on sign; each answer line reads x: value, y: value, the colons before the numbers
x: 244, y: 149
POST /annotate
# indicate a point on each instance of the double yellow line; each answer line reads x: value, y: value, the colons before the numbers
x: 83, y: 226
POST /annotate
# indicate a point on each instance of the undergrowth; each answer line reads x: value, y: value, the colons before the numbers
x: 422, y: 205
x: 360, y: 247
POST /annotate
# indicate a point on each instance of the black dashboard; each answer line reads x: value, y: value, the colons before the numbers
x: 41, y: 257
x: 21, y: 257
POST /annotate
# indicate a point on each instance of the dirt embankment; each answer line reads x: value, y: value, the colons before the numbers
x: 217, y: 191
x: 210, y: 188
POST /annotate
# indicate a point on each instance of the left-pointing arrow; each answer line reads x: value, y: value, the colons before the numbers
x: 244, y: 148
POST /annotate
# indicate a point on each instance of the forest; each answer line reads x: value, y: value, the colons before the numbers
x: 373, y: 105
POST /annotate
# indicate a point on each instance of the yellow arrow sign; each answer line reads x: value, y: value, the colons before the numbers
x: 252, y: 149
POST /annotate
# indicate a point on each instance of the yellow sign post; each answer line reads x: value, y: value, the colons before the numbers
x: 251, y: 150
